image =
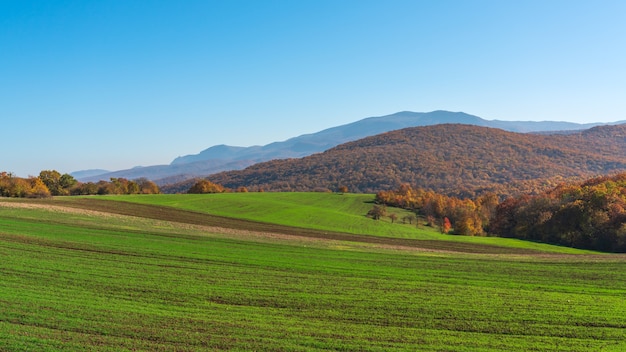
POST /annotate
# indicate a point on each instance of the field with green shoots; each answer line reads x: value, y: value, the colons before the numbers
x: 327, y: 212
x: 180, y: 273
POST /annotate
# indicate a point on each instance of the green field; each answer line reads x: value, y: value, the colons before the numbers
x: 161, y: 273
x: 322, y: 211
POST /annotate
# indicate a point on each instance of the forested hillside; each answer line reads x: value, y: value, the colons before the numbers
x: 220, y: 158
x: 454, y: 159
x: 591, y: 214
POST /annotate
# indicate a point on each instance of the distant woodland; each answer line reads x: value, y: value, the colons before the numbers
x: 589, y: 214
x: 52, y: 183
x: 457, y: 160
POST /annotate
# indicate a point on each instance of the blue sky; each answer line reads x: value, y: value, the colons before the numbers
x: 119, y: 83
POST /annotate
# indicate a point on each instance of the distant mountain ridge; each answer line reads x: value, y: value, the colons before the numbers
x: 223, y: 157
x: 89, y: 173
x: 308, y: 144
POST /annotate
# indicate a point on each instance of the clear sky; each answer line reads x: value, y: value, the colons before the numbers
x: 118, y: 83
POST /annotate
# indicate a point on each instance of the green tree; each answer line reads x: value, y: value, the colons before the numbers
x: 52, y: 180
x: 67, y: 181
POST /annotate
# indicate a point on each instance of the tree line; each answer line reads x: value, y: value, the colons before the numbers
x: 590, y: 215
x: 460, y: 216
x: 53, y: 183
x: 587, y: 215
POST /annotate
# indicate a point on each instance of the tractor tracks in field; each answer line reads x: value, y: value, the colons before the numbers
x: 251, y: 229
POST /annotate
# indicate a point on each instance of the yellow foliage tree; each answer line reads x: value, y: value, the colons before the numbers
x: 206, y: 186
x: 37, y: 188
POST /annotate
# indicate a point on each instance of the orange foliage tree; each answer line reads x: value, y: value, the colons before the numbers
x: 32, y: 187
x: 206, y: 186
x: 464, y: 216
x: 445, y: 225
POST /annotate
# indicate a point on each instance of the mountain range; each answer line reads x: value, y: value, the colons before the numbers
x: 223, y: 157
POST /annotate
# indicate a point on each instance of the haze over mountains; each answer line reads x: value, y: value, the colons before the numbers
x: 223, y: 157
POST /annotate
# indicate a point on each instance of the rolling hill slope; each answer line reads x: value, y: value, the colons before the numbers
x: 223, y: 157
x: 451, y: 158
x: 92, y: 274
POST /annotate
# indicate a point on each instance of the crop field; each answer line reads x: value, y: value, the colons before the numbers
x: 171, y: 273
x: 343, y: 213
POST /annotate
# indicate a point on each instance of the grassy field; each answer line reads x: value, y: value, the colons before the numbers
x: 93, y: 274
x: 323, y: 211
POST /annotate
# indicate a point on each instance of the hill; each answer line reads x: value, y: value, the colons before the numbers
x: 330, y: 216
x: 93, y: 274
x: 450, y: 158
x: 317, y: 142
x: 223, y: 157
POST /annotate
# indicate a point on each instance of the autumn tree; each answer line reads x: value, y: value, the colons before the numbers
x: 118, y: 186
x: 409, y: 218
x: 105, y: 187
x: 146, y: 186
x: 52, y: 180
x: 132, y: 188
x: 589, y: 215
x: 445, y: 225
x: 37, y: 188
x: 468, y: 223
x: 466, y: 216
x: 88, y: 188
x: 206, y: 186
x: 33, y: 187
x: 434, y: 205
x: 486, y: 208
x: 5, y: 184
x: 121, y: 186
x: 57, y: 184
x: 377, y: 212
x: 19, y: 187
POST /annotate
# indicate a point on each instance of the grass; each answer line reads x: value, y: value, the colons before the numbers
x: 322, y: 211
x: 76, y: 280
x: 326, y: 212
